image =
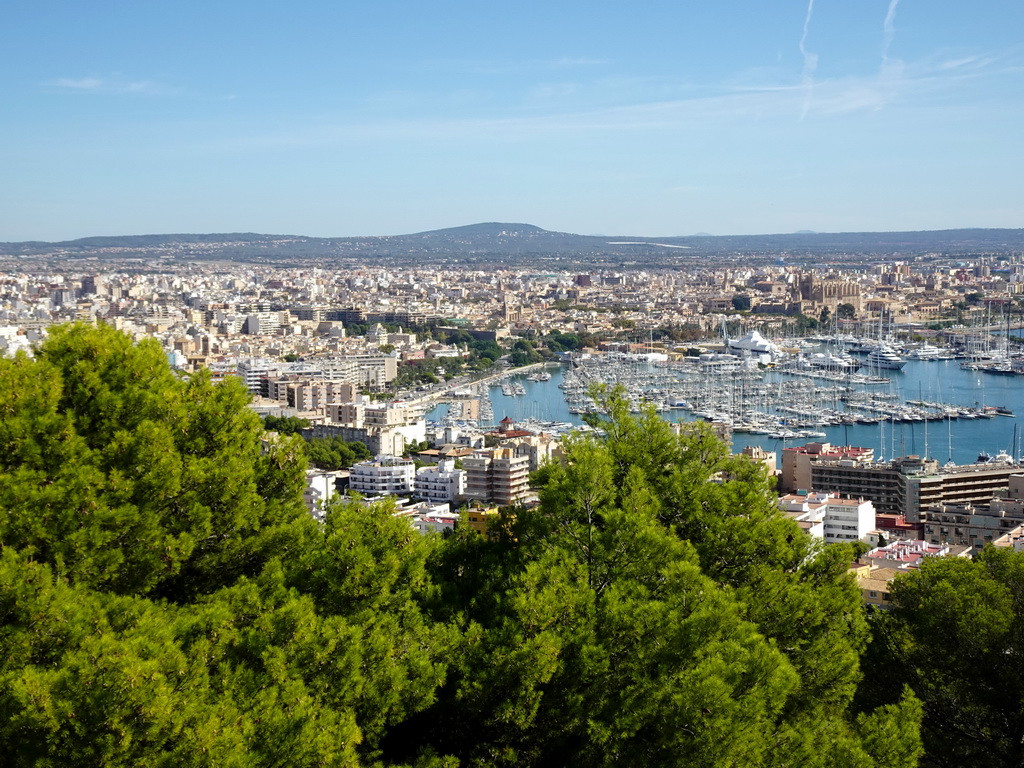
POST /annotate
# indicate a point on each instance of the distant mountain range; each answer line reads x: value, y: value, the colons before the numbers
x: 496, y: 244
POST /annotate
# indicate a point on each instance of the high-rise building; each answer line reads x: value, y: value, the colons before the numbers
x: 498, y: 476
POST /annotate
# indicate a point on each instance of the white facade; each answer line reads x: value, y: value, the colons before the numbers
x: 835, y: 520
x: 428, y: 517
x: 262, y: 323
x: 441, y: 483
x: 435, y: 523
x: 253, y: 369
x: 11, y: 342
x: 321, y: 487
x: 385, y: 475
x: 848, y: 520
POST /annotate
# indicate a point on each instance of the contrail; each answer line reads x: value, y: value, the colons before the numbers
x: 810, y: 59
x: 888, y: 30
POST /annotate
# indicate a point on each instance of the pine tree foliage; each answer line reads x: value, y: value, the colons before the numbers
x: 165, y: 597
x: 126, y: 478
x: 956, y: 637
x: 656, y: 610
x: 166, y: 600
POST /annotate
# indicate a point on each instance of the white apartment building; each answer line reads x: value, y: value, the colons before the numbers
x: 848, y: 520
x: 429, y: 517
x: 441, y: 483
x: 262, y: 323
x: 256, y: 370
x: 825, y: 516
x: 384, y: 475
x: 321, y: 487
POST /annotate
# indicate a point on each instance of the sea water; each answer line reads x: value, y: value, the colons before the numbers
x: 959, y: 440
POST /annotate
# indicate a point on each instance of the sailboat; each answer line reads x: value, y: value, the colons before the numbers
x: 949, y: 441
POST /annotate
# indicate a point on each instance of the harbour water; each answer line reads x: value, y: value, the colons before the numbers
x: 960, y: 440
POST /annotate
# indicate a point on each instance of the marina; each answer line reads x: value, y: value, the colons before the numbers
x: 929, y: 406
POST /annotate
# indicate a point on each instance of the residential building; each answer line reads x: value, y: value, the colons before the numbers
x: 385, y: 418
x: 797, y: 461
x: 498, y: 476
x: 442, y: 482
x: 768, y: 458
x: 379, y: 441
x: 971, y: 525
x: 262, y: 323
x: 962, y: 484
x: 873, y: 583
x: 384, y: 475
x: 893, y: 527
x: 321, y: 487
x: 435, y: 522
x: 428, y: 516
x: 908, y: 555
x: 316, y: 395
x: 479, y: 519
x: 848, y: 520
x: 903, y: 486
x: 539, y: 448
x: 833, y: 519
x: 876, y: 569
x: 884, y: 483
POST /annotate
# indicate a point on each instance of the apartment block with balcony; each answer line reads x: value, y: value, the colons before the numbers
x: 963, y: 484
x: 321, y: 487
x: 498, y: 476
x: 970, y: 525
x: 848, y: 520
x: 904, y: 486
x: 798, y: 460
x: 442, y: 482
x: 833, y: 519
x: 883, y: 483
x: 385, y: 475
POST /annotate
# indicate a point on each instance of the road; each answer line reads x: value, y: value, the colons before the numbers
x: 440, y: 392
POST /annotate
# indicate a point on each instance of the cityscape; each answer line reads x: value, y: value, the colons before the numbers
x: 454, y: 385
x: 400, y: 380
x: 400, y: 356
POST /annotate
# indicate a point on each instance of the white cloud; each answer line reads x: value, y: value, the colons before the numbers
x: 810, y: 61
x: 78, y: 84
x: 515, y: 66
x: 888, y: 29
x: 92, y: 84
x: 657, y: 107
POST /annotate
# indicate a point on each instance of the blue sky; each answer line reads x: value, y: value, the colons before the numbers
x: 664, y: 118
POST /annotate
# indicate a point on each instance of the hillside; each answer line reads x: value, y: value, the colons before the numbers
x: 507, y: 244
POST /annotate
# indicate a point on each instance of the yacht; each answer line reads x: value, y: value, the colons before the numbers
x: 862, y: 346
x: 883, y: 357
x: 1000, y: 458
x: 926, y: 352
x: 754, y: 345
x: 831, y: 361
